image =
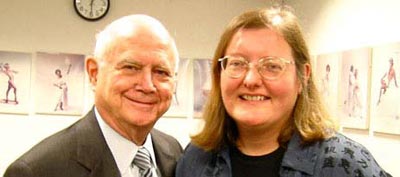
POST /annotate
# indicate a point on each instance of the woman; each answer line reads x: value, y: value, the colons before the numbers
x: 264, y: 116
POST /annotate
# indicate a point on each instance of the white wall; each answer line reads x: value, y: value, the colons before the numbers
x: 53, y: 26
x: 337, y: 25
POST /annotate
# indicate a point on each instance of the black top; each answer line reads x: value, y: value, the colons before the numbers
x: 256, y: 166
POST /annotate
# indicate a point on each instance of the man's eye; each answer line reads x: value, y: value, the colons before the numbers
x: 130, y: 67
x: 162, y: 73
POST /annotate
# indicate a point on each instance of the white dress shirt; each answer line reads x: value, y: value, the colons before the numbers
x: 124, y: 150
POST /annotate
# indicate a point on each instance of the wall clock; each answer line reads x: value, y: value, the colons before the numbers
x: 92, y: 10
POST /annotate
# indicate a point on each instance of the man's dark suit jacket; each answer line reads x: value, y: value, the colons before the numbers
x: 81, y: 151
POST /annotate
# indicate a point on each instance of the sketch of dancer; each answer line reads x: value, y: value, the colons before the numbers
x: 325, y: 84
x: 357, y: 104
x: 62, y: 87
x: 350, y: 89
x: 11, y: 84
x: 386, y: 80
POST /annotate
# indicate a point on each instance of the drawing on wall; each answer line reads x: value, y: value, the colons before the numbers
x: 59, y: 83
x: 327, y: 67
x: 180, y: 103
x: 201, y: 84
x: 354, y: 88
x: 385, y: 91
x: 15, y: 74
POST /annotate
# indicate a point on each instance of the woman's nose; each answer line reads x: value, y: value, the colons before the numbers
x: 252, y: 78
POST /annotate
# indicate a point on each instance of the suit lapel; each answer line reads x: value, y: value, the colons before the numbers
x: 166, y: 159
x: 92, y: 149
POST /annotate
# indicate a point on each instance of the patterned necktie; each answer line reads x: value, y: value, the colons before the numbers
x: 143, y: 161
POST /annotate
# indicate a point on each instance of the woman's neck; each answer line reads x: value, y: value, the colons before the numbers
x: 255, y: 142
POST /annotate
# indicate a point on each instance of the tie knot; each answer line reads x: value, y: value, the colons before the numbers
x: 142, y: 159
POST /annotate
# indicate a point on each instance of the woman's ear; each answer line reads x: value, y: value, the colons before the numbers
x: 306, y: 76
x: 92, y: 68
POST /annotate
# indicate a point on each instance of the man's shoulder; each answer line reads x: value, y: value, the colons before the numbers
x: 58, y: 147
x: 58, y: 143
x: 164, y: 140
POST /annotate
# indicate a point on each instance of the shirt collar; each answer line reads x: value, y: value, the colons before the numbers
x: 300, y: 158
x: 121, y: 148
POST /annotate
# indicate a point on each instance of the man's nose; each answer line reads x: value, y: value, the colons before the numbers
x: 145, y: 82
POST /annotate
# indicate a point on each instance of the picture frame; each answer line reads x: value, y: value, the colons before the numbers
x: 354, y: 88
x: 59, y: 83
x: 181, y: 102
x: 15, y: 74
x: 201, y: 84
x: 328, y: 66
x: 385, y: 89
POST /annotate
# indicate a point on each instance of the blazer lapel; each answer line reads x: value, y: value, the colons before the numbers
x: 92, y: 149
x: 166, y: 157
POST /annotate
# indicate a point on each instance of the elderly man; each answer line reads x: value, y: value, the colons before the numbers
x: 132, y: 74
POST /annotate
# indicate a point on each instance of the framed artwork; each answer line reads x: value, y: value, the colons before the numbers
x: 180, y: 104
x: 354, y: 82
x: 327, y: 66
x: 201, y: 84
x: 385, y: 91
x: 15, y: 74
x: 59, y: 83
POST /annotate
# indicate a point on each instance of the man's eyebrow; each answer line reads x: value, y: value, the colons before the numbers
x: 128, y: 61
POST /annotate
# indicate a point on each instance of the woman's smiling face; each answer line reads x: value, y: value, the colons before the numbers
x: 251, y: 100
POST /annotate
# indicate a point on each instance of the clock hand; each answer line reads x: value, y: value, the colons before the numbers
x: 91, y: 6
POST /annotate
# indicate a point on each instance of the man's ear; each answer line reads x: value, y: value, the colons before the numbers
x: 92, y: 68
x: 306, y: 76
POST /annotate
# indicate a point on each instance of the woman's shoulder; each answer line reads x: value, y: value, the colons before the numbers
x: 342, y: 154
x: 342, y: 147
x: 196, y: 154
x: 193, y: 161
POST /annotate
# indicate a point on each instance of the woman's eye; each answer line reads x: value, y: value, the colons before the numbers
x: 236, y: 63
x: 274, y: 67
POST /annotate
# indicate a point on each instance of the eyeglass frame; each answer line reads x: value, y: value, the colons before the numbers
x: 285, y: 61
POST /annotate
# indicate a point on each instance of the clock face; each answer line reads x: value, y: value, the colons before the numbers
x: 92, y: 9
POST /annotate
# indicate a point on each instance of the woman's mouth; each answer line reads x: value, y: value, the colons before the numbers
x: 254, y: 97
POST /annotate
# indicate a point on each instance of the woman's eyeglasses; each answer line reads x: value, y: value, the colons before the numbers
x: 270, y: 68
